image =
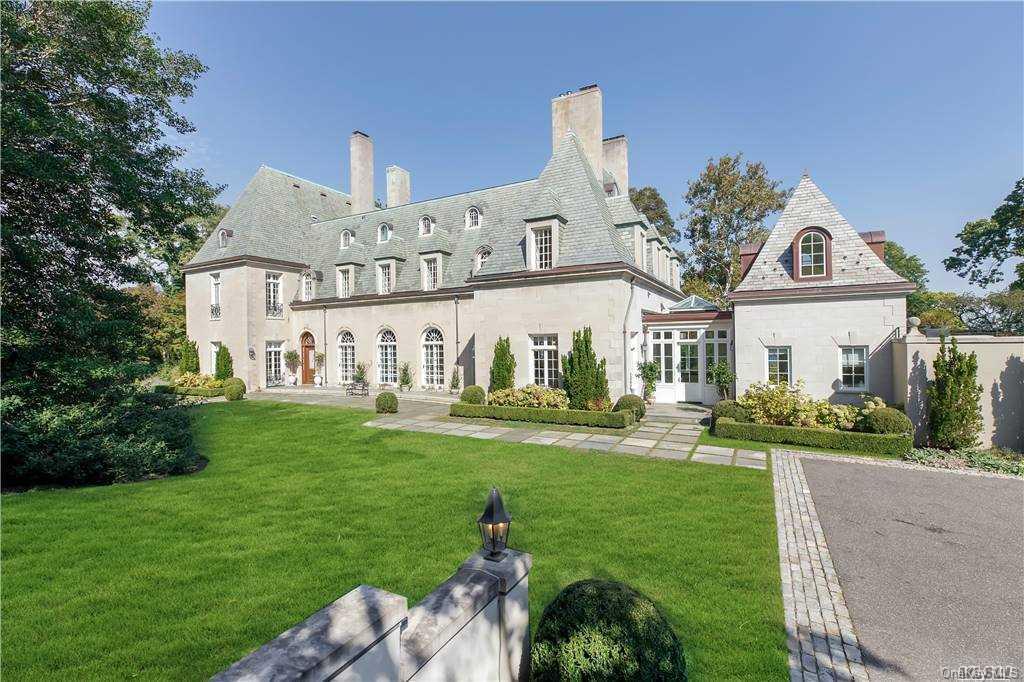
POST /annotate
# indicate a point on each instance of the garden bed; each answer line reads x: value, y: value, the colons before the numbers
x: 540, y: 415
x: 874, y: 443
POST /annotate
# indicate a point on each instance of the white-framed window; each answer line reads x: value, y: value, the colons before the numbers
x: 689, y: 359
x: 346, y: 357
x: 853, y: 366
x: 384, y: 233
x: 222, y: 238
x: 662, y: 347
x: 346, y: 239
x: 344, y: 282
x: 716, y: 349
x: 273, y: 289
x: 275, y: 377
x: 474, y: 218
x: 307, y: 287
x: 780, y: 365
x: 482, y: 254
x: 426, y: 226
x: 544, y: 360
x: 542, y: 251
x: 387, y: 357
x: 433, y: 358
x: 431, y: 272
x: 385, y: 274
x: 215, y: 296
x: 812, y: 255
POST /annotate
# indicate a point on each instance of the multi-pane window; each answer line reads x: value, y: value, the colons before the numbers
x: 426, y: 226
x: 433, y: 358
x: 473, y: 217
x: 273, y: 360
x: 215, y: 296
x: 383, y: 232
x: 854, y: 367
x: 662, y: 351
x: 307, y: 287
x: 545, y: 360
x: 716, y: 349
x: 344, y: 282
x: 346, y: 239
x: 384, y: 278
x: 274, y: 307
x: 779, y: 365
x: 689, y: 362
x: 542, y: 248
x: 430, y: 273
x: 812, y: 255
x: 481, y: 257
x: 387, y: 358
x: 346, y: 357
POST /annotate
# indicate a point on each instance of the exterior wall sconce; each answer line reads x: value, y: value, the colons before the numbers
x: 494, y: 526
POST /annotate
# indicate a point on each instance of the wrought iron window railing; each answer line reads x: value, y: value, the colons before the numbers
x: 275, y: 380
x: 215, y: 311
x: 275, y: 310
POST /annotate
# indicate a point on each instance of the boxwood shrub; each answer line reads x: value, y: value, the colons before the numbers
x: 731, y: 409
x: 633, y: 403
x: 612, y: 420
x: 234, y: 392
x: 605, y: 630
x: 876, y: 443
x: 387, y: 403
x: 887, y: 420
x: 188, y: 390
x: 474, y: 395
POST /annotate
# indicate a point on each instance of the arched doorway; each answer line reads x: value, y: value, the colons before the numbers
x: 308, y: 355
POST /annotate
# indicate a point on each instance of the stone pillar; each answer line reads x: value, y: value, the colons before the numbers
x: 399, y: 192
x: 360, y: 158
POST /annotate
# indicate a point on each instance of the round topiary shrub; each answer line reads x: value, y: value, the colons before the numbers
x: 605, y: 630
x: 887, y: 420
x: 387, y: 403
x: 631, y: 402
x: 474, y: 395
x: 235, y: 381
x: 232, y: 391
x: 730, y: 409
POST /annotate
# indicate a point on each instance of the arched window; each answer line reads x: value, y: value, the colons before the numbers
x: 433, y: 358
x: 473, y: 217
x: 222, y: 238
x: 812, y: 255
x: 426, y: 226
x: 307, y: 287
x: 346, y: 357
x: 482, y: 254
x: 383, y: 232
x: 346, y: 239
x: 387, y: 357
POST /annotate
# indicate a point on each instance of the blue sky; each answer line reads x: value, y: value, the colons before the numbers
x: 909, y: 116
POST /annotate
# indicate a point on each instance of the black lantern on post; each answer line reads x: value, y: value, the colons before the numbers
x: 494, y: 524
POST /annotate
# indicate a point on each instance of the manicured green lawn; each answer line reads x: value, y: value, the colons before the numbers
x: 177, y: 578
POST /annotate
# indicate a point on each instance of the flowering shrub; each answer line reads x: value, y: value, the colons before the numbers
x: 839, y: 417
x: 783, y: 405
x: 196, y: 380
x: 530, y: 396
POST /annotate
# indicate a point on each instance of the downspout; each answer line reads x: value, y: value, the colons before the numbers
x: 457, y: 332
x: 626, y: 383
x: 324, y: 377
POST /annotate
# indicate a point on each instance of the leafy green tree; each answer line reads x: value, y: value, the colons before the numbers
x: 90, y: 186
x: 189, y: 357
x: 911, y: 268
x: 503, y: 366
x: 954, y: 408
x: 224, y: 367
x: 727, y: 206
x: 1000, y: 312
x: 579, y: 370
x: 179, y: 252
x: 986, y: 244
x: 649, y: 201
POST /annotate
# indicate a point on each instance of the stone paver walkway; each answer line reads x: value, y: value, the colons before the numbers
x: 820, y: 635
x: 675, y: 439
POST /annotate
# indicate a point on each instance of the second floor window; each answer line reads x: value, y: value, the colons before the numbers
x: 344, y: 282
x: 430, y: 274
x: 307, y: 287
x: 384, y: 278
x: 274, y: 308
x: 542, y: 248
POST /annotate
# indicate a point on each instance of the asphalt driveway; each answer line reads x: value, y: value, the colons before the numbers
x: 931, y: 564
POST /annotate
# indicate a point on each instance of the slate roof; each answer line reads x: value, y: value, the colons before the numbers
x: 853, y: 261
x: 272, y: 219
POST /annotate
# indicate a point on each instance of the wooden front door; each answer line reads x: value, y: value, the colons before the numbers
x: 308, y: 358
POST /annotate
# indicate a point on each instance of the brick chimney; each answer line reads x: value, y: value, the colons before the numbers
x: 360, y: 156
x: 616, y: 161
x: 399, y: 192
x: 581, y: 112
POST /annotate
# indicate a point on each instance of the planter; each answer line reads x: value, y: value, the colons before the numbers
x: 318, y: 380
x: 292, y: 380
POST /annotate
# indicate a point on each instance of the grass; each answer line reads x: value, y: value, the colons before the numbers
x: 178, y: 578
x: 708, y: 438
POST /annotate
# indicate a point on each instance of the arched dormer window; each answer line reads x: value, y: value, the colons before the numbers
x: 426, y: 226
x: 346, y: 239
x: 384, y: 233
x: 812, y: 254
x: 307, y: 286
x: 482, y: 254
x: 474, y: 218
x: 222, y: 238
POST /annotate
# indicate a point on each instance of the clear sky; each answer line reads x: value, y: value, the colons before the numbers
x: 909, y: 116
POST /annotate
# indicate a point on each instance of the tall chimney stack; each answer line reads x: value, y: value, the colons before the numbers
x: 616, y: 161
x: 360, y: 158
x: 580, y: 112
x: 399, y: 192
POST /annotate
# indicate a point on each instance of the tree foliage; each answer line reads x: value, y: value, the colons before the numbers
x: 911, y: 268
x: 584, y: 378
x: 503, y: 366
x: 188, y: 362
x: 224, y: 367
x: 90, y: 187
x: 649, y: 201
x: 727, y: 206
x: 954, y: 408
x: 986, y: 244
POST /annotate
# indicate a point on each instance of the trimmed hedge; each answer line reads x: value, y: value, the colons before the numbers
x: 386, y: 403
x: 611, y: 420
x: 184, y: 390
x: 474, y: 395
x: 887, y: 420
x: 234, y: 392
x: 880, y: 444
x: 633, y: 403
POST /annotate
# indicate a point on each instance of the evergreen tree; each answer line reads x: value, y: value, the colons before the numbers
x: 601, y: 381
x: 579, y: 370
x: 954, y: 412
x: 189, y: 361
x: 224, y: 366
x: 503, y: 366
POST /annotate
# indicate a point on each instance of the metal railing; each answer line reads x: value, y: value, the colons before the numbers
x: 275, y: 380
x: 215, y: 311
x: 275, y: 310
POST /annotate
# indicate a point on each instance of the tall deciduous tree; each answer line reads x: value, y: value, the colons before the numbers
x: 650, y: 202
x: 727, y: 206
x: 986, y: 244
x: 912, y: 269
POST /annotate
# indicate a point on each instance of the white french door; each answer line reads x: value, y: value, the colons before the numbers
x: 688, y: 380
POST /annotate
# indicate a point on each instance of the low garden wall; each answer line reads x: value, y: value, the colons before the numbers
x: 613, y: 420
x: 878, y: 443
